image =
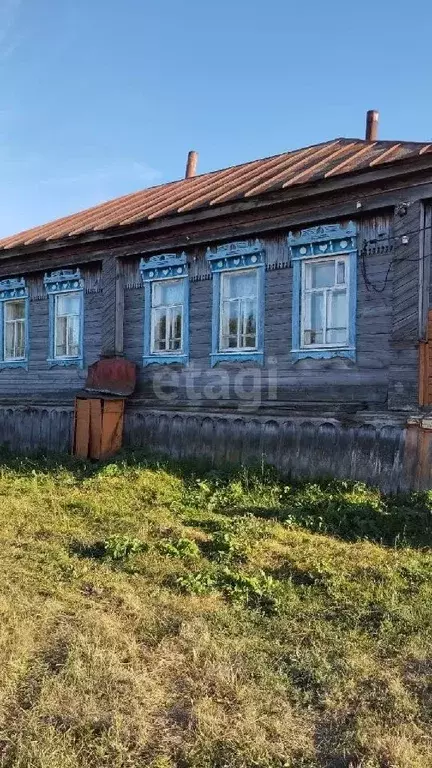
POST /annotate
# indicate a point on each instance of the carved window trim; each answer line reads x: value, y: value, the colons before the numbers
x: 313, y: 245
x: 62, y: 282
x: 14, y: 289
x: 237, y: 256
x: 165, y: 266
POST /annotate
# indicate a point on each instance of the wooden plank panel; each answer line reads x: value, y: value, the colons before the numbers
x: 425, y: 366
x: 95, y: 428
x: 82, y: 428
x: 112, y: 427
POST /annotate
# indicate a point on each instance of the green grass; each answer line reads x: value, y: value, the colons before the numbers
x: 169, y: 616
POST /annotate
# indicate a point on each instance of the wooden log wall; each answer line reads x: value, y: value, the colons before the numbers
x: 407, y: 276
x: 41, y: 379
x: 312, y: 418
x: 390, y: 378
x: 108, y: 314
x: 283, y: 383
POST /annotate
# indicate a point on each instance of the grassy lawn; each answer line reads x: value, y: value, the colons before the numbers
x: 152, y: 615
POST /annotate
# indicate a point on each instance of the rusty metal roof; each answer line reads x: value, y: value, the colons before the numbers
x: 302, y: 166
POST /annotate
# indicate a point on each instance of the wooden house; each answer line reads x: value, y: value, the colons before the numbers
x: 277, y: 311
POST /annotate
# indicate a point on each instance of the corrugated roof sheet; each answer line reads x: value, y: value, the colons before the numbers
x: 302, y: 166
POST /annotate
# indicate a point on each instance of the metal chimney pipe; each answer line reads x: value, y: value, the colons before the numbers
x: 372, y: 120
x: 191, y: 165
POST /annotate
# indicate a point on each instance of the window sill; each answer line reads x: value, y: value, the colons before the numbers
x: 65, y: 362
x: 325, y: 353
x: 165, y: 359
x: 14, y: 364
x: 237, y: 357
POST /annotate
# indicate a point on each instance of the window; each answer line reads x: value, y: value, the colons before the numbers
x: 238, y: 302
x: 325, y: 303
x: 65, y: 290
x: 14, y: 322
x: 238, y: 311
x: 167, y: 316
x: 67, y: 324
x: 166, y: 309
x: 324, y: 291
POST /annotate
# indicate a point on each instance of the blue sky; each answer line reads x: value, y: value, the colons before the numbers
x: 103, y: 97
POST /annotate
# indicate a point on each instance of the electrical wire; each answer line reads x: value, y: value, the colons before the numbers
x: 368, y: 283
x: 390, y: 243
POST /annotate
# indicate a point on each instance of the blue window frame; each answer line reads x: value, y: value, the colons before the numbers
x: 65, y: 289
x: 14, y: 323
x: 238, y: 271
x: 166, y: 309
x: 324, y: 262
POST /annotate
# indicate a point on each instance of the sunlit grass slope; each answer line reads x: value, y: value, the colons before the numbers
x: 165, y: 616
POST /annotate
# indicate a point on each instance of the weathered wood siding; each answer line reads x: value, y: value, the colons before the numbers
x: 384, y: 375
x: 41, y: 378
x: 309, y: 418
x: 108, y: 314
x: 406, y: 307
x: 281, y: 383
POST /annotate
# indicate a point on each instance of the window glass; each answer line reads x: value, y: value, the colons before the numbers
x: 239, y: 302
x: 167, y: 292
x: 14, y: 330
x: 340, y: 275
x: 68, y: 304
x: 315, y: 306
x: 240, y: 285
x: 325, y: 303
x: 337, y: 317
x: 67, y: 325
x: 167, y: 316
x: 322, y: 275
x: 15, y: 310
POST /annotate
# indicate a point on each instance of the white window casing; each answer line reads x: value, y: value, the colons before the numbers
x: 325, y: 302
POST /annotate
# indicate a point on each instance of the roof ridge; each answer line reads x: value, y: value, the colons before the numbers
x: 387, y: 141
